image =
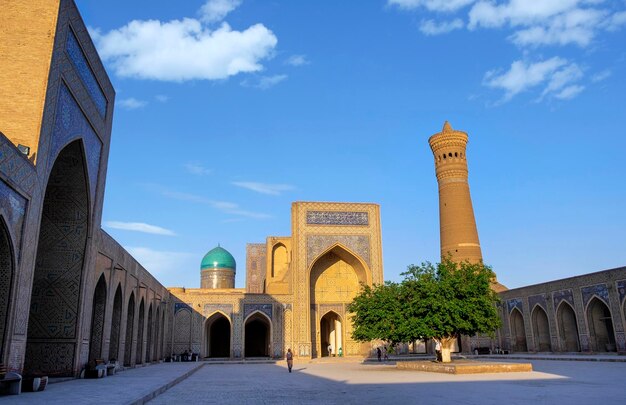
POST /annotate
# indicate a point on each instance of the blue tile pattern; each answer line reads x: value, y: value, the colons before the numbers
x: 559, y: 296
x: 599, y: 289
x: 537, y: 299
x: 86, y: 74
x: 250, y: 308
x: 179, y: 306
x: 14, y: 207
x: 621, y: 288
x: 515, y: 303
x: 336, y: 218
x: 70, y: 124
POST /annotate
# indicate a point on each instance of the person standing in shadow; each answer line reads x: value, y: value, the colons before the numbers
x: 289, y: 358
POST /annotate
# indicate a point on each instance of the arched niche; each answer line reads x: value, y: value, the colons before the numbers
x: 139, y: 357
x: 218, y: 331
x: 257, y: 335
x: 130, y: 322
x: 51, y: 344
x: 518, y: 331
x: 568, y: 327
x: 601, y: 333
x: 6, y: 279
x: 116, y: 323
x: 280, y: 260
x: 541, y: 330
x: 149, y: 337
x: 97, y: 319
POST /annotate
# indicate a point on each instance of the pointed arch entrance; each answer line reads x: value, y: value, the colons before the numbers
x: 331, y: 334
x: 140, y: 327
x: 518, y: 332
x: 335, y: 279
x: 568, y: 328
x: 149, y: 333
x: 217, y: 331
x: 97, y: 319
x: 130, y: 322
x: 116, y: 320
x: 257, y: 336
x: 51, y: 344
x: 600, y: 326
x: 541, y: 330
x: 6, y: 278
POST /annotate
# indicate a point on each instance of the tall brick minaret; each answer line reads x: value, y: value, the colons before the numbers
x: 458, y: 233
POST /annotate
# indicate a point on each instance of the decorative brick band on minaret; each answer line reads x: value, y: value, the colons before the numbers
x: 458, y: 233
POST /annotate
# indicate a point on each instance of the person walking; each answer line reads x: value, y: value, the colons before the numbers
x: 379, y: 353
x: 385, y: 357
x: 330, y: 351
x: 289, y: 358
x: 438, y: 350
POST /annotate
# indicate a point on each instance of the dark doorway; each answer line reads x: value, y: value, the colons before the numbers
x: 218, y: 335
x: 600, y: 326
x: 541, y: 330
x: 130, y: 322
x: 139, y: 355
x: 116, y: 321
x: 97, y: 319
x: 149, y: 339
x: 257, y: 336
x: 518, y: 331
x: 57, y: 280
x: 6, y: 278
x: 568, y: 328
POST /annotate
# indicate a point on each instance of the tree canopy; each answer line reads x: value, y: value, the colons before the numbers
x: 439, y: 302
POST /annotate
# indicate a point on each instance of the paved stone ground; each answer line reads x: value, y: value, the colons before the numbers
x: 345, y: 382
x: 126, y: 387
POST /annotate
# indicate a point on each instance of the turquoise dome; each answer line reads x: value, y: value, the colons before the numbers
x: 218, y: 258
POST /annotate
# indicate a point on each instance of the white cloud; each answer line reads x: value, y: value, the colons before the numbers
x: 187, y: 49
x: 131, y: 103
x: 557, y: 74
x: 216, y: 10
x: 297, y: 60
x: 223, y: 206
x: 616, y: 21
x: 569, y: 92
x: 432, y: 5
x: 431, y: 27
x: 195, y: 168
x: 598, y: 77
x: 264, y: 82
x: 264, y: 188
x: 158, y: 262
x: 161, y: 98
x: 139, y: 227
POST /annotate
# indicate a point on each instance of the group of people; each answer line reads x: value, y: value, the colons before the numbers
x: 382, y: 354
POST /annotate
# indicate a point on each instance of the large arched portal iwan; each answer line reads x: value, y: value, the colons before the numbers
x: 6, y: 278
x: 568, y: 328
x: 217, y: 331
x: 602, y: 337
x: 331, y: 334
x: 55, y: 300
x: 257, y: 336
x: 518, y: 332
x: 335, y: 281
x: 541, y: 330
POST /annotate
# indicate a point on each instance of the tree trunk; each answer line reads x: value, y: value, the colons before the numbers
x: 446, y: 347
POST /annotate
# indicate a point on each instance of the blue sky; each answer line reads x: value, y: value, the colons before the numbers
x: 227, y: 111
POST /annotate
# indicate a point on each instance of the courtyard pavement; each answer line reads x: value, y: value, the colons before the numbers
x: 345, y: 382
x: 342, y: 381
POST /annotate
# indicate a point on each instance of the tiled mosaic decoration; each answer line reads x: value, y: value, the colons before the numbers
x: 514, y: 303
x: 70, y: 123
x: 599, y: 289
x: 336, y: 218
x: 97, y: 320
x: 250, y: 308
x: 559, y: 296
x: 13, y: 206
x: 79, y: 60
x: 317, y: 244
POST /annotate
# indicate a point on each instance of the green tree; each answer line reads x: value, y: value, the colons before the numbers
x: 438, y: 302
